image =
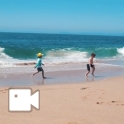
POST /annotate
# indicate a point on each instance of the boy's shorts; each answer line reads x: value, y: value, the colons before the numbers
x: 88, y: 66
x: 39, y: 69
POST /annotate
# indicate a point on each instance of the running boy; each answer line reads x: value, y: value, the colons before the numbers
x: 39, y: 65
x: 91, y: 64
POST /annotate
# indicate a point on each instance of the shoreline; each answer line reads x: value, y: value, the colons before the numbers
x: 56, y: 77
x: 57, y: 74
x: 61, y: 84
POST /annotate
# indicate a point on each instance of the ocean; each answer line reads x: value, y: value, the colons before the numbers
x: 58, y: 48
x: 65, y: 58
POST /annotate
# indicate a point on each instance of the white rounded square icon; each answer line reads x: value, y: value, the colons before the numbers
x: 22, y: 100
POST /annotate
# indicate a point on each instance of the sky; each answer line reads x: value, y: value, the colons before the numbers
x: 101, y: 17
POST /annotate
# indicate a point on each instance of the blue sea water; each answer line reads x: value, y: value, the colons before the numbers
x: 61, y: 53
x: 59, y: 48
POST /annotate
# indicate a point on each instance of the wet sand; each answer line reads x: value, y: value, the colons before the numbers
x: 9, y: 76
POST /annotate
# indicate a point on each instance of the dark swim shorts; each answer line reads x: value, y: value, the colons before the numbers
x: 39, y: 69
x: 88, y: 66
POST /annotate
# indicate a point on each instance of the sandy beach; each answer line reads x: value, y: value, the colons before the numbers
x: 68, y: 53
x: 99, y: 102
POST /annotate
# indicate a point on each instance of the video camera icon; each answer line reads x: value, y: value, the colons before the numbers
x: 22, y: 100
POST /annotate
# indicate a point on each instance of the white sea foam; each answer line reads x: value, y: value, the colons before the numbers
x: 1, y: 49
x: 65, y: 56
x: 53, y: 57
x: 62, y: 56
x: 120, y: 50
x: 5, y: 60
x: 3, y: 55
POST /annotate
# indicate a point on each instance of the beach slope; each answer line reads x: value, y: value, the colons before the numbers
x: 100, y: 102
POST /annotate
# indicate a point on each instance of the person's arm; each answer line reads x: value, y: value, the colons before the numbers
x: 36, y: 65
x: 38, y: 61
x: 42, y: 63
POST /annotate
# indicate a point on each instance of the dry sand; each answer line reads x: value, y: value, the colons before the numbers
x: 100, y: 102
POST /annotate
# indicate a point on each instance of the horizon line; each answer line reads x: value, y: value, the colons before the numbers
x: 90, y: 34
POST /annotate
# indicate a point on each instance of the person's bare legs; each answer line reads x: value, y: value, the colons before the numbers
x: 43, y: 74
x: 87, y: 73
x: 38, y: 72
x: 93, y: 71
x: 35, y: 73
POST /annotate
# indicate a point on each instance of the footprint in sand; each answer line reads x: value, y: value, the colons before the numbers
x: 118, y: 102
x: 4, y: 90
x: 84, y: 88
x: 99, y: 102
x: 85, y: 97
x: 97, y: 94
x: 112, y: 103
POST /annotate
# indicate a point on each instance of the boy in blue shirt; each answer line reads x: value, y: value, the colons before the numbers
x: 39, y: 65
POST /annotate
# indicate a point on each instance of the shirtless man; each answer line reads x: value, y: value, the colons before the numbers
x: 91, y: 64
